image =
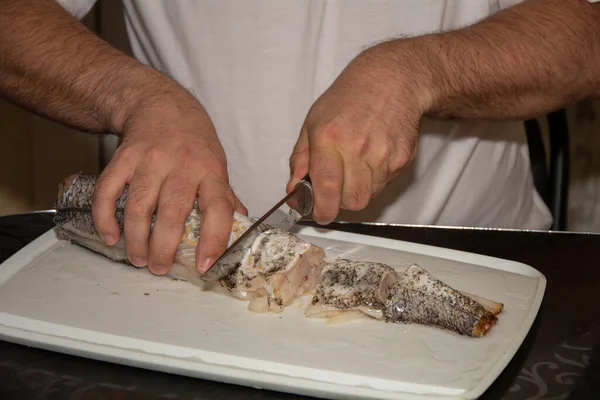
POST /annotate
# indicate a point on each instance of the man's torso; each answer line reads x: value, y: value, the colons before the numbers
x: 257, y: 66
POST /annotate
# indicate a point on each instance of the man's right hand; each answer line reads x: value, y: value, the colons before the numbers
x: 169, y: 154
x: 52, y: 65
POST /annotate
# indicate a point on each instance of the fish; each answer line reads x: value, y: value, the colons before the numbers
x: 351, y: 285
x: 418, y: 297
x: 276, y: 268
x: 413, y: 296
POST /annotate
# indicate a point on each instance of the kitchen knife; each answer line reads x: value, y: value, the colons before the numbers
x: 284, y: 215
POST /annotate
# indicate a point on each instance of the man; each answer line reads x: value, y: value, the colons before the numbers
x: 363, y: 82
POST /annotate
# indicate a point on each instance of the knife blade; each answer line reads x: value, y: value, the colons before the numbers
x: 283, y: 215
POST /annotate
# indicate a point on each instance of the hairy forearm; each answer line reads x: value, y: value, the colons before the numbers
x: 522, y: 62
x: 51, y: 64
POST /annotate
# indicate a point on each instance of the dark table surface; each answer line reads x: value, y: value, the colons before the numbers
x: 559, y: 359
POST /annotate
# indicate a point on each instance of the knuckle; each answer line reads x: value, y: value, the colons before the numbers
x: 360, y: 144
x: 326, y: 176
x: 384, y: 153
x: 155, y: 154
x: 330, y: 131
x: 139, y: 202
x: 225, y: 199
x: 330, y: 184
x: 121, y: 152
x: 126, y: 152
x: 176, y: 202
x: 382, y: 158
x: 319, y: 163
x: 298, y: 159
x: 217, y: 203
x: 101, y: 190
x: 175, y: 209
x: 357, y: 199
x: 229, y: 197
x: 402, y: 155
x: 185, y: 152
x: 184, y: 157
x: 163, y: 254
x: 213, y: 159
x: 172, y: 216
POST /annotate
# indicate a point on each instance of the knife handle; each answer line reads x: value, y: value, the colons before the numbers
x: 306, y: 178
x: 302, y: 199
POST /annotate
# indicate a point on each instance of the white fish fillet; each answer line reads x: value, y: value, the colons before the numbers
x: 277, y: 269
x: 348, y: 285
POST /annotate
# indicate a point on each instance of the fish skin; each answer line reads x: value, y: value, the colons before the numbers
x: 74, y: 203
x: 349, y: 285
x: 420, y: 298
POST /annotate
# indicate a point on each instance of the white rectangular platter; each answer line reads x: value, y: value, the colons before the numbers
x: 58, y: 296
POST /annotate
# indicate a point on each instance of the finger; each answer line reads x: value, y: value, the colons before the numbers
x: 110, y: 185
x: 380, y: 176
x: 358, y: 184
x: 379, y: 161
x: 239, y: 207
x: 388, y: 159
x: 216, y: 203
x: 327, y: 176
x: 175, y: 203
x: 141, y: 203
x: 299, y: 160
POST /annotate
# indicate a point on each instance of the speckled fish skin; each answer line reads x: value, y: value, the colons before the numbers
x: 346, y: 285
x: 74, y: 222
x: 420, y: 298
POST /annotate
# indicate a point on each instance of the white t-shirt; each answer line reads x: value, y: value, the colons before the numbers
x: 257, y: 66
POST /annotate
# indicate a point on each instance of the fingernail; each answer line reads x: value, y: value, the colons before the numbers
x: 324, y: 222
x: 138, y: 261
x: 205, y: 264
x: 158, y: 269
x: 109, y: 240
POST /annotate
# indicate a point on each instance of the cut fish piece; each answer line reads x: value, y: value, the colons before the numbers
x: 420, y: 298
x: 277, y: 269
x: 347, y: 286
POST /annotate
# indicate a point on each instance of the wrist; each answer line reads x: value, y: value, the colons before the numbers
x: 417, y: 71
x: 140, y: 88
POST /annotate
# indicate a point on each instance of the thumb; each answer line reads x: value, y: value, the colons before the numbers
x: 299, y: 159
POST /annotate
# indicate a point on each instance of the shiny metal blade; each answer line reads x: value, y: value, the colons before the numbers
x: 292, y: 208
x: 284, y: 215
